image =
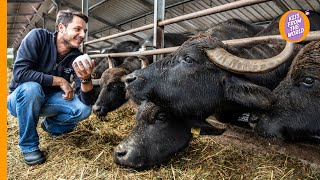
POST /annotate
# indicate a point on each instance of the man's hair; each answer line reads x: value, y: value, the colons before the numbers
x: 65, y: 17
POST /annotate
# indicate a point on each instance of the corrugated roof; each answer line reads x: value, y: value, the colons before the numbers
x: 108, y: 17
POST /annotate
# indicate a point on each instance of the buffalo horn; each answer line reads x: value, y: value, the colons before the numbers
x: 111, y: 65
x: 144, y: 62
x: 230, y: 62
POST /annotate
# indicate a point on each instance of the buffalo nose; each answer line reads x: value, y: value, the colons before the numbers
x: 96, y: 109
x: 120, y: 153
x: 129, y: 78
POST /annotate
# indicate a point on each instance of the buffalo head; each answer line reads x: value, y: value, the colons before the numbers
x: 295, y: 110
x: 112, y: 89
x: 157, y: 136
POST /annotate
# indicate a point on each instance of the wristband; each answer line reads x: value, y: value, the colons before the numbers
x: 86, y: 81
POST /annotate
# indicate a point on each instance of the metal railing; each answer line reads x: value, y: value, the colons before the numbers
x: 312, y: 36
x: 225, y: 7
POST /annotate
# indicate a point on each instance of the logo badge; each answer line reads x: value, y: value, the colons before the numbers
x: 294, y: 26
x: 67, y: 70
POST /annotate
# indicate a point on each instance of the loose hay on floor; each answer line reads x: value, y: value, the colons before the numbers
x: 86, y: 153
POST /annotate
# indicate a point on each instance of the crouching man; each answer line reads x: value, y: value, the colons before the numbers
x: 41, y: 83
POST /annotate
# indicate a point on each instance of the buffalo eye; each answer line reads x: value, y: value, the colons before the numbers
x: 161, y: 117
x: 308, y: 82
x: 188, y: 59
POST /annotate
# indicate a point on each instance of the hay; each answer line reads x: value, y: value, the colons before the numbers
x: 86, y: 153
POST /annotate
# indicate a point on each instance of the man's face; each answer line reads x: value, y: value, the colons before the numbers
x: 74, y: 33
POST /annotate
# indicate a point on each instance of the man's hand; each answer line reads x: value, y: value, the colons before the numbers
x: 65, y: 86
x: 83, y: 73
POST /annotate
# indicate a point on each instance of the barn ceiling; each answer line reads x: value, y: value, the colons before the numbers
x: 107, y: 17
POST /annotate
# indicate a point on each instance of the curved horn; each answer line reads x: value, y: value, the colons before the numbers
x: 230, y: 62
x: 144, y: 62
x: 111, y: 65
x: 95, y: 82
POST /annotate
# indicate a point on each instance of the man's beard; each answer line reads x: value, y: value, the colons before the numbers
x: 67, y: 41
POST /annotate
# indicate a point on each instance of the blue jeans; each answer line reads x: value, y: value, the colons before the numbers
x: 28, y: 102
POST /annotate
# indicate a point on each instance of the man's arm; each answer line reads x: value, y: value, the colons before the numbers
x: 86, y: 86
x: 65, y: 86
x: 27, y: 60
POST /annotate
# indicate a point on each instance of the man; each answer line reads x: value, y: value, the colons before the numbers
x: 41, y: 83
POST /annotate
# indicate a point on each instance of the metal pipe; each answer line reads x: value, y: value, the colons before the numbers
x: 142, y: 28
x: 141, y: 16
x: 96, y: 5
x: 225, y: 7
x: 158, y: 31
x: 85, y: 11
x: 312, y: 36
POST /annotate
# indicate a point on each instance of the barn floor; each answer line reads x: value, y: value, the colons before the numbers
x: 86, y: 153
x: 307, y: 152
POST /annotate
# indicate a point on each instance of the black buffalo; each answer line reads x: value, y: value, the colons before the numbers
x: 294, y: 114
x: 157, y: 135
x: 113, y: 91
x: 176, y: 85
x: 189, y: 83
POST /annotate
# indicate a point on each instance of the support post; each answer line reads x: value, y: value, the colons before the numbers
x: 158, y: 31
x: 85, y: 10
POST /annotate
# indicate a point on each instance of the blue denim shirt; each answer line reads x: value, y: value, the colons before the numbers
x: 36, y: 61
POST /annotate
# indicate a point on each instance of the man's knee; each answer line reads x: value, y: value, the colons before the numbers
x: 31, y: 90
x: 85, y: 111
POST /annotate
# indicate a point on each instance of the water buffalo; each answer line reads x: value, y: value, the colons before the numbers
x: 112, y: 89
x: 189, y: 82
x: 125, y: 46
x: 162, y: 130
x: 180, y: 82
x: 108, y: 101
x: 294, y: 114
x: 113, y: 92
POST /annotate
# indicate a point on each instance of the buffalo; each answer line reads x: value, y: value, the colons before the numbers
x: 189, y: 88
x: 189, y: 83
x: 157, y: 135
x: 193, y: 80
x: 113, y: 91
x: 185, y: 87
x: 294, y: 113
x: 115, y: 97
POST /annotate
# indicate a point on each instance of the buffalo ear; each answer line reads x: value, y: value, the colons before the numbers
x: 247, y: 94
